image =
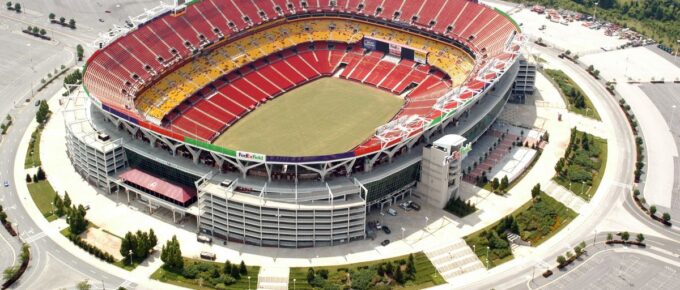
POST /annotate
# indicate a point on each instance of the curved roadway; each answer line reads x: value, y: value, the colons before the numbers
x: 615, y: 191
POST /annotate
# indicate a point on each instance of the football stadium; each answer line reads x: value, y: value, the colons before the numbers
x: 284, y: 123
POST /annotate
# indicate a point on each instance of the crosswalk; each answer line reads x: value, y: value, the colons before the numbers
x: 454, y: 259
x: 273, y: 278
x: 33, y: 238
x: 565, y: 196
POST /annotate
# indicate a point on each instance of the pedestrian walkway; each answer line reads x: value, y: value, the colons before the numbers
x: 563, y: 195
x: 273, y: 278
x: 454, y: 260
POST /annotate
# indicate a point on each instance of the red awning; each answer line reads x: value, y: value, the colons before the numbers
x: 155, y: 184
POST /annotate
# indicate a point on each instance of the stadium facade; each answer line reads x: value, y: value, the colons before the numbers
x: 158, y: 93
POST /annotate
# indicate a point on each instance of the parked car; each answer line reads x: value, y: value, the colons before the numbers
x: 385, y: 243
x: 6, y: 183
x: 386, y: 229
x: 208, y: 256
x: 204, y: 239
x: 415, y: 206
x: 392, y: 212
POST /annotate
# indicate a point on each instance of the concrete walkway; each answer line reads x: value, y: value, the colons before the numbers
x: 273, y: 278
x: 566, y: 197
x: 51, y: 230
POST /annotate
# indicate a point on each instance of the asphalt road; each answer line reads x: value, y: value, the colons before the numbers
x: 619, y: 187
x: 45, y: 250
x: 41, y: 247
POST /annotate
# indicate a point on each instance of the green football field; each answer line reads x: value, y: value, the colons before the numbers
x: 326, y: 116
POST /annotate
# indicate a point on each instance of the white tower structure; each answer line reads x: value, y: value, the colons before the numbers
x: 440, y: 174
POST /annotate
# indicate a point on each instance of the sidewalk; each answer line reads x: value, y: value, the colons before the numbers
x: 51, y: 230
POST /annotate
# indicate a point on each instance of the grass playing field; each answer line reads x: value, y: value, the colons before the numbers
x: 326, y: 116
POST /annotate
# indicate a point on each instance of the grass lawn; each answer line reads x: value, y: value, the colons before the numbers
x: 326, y: 116
x: 585, y: 190
x: 130, y: 267
x: 426, y: 274
x: 178, y: 280
x: 565, y: 84
x: 33, y: 151
x: 43, y: 194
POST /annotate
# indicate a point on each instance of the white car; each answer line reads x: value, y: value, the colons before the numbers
x: 392, y: 212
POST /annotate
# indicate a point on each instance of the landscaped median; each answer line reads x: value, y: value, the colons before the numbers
x: 583, y: 165
x: 577, y: 101
x: 413, y: 271
x: 199, y: 274
x: 535, y: 222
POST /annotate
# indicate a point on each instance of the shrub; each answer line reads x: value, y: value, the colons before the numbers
x: 666, y: 217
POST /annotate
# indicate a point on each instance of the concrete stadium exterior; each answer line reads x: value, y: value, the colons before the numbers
x: 295, y: 201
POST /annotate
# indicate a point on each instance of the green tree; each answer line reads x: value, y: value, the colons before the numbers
x: 610, y: 237
x: 398, y: 275
x: 504, y: 183
x: 127, y: 245
x: 153, y: 240
x: 72, y: 23
x: 561, y: 260
x: 76, y: 220
x: 625, y: 236
x: 36, y: 30
x: 361, y: 280
x: 652, y: 210
x: 310, y: 275
x: 17, y: 7
x: 3, y: 217
x: 52, y: 16
x: 43, y: 110
x: 235, y: 273
x: 9, y: 5
x: 80, y: 51
x: 28, y: 178
x: 536, y: 190
x: 242, y: 269
x: 227, y: 267
x: 62, y: 20
x: 58, y: 205
x: 84, y: 285
x: 640, y: 238
x: 495, y: 183
x: 43, y: 32
x: 67, y: 200
x: 171, y: 255
x: 41, y: 174
x: 666, y: 217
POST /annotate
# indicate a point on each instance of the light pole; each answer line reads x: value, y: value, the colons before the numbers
x: 672, y: 118
x: 248, y: 282
x: 487, y: 258
x: 583, y: 186
x: 52, y: 203
x: 294, y: 280
x: 402, y: 232
x: 130, y: 253
x: 427, y: 220
x: 595, y: 237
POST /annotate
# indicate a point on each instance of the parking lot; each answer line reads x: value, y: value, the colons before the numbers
x: 410, y: 220
x: 620, y: 271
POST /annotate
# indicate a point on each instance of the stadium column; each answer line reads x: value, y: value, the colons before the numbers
x: 195, y: 153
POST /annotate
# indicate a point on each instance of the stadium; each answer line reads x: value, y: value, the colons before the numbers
x: 283, y: 123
